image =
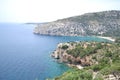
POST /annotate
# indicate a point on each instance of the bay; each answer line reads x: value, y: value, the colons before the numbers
x: 26, y: 56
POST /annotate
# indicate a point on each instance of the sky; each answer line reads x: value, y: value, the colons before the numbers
x: 51, y: 10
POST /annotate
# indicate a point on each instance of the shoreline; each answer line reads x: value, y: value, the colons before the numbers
x: 103, y: 37
x: 108, y: 38
x: 77, y: 66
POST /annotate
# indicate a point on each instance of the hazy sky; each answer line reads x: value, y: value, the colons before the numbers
x: 50, y: 10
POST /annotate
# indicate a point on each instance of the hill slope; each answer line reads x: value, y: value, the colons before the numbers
x: 106, y: 23
x: 100, y: 61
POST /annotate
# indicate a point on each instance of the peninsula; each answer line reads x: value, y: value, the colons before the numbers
x: 106, y: 23
x: 93, y: 60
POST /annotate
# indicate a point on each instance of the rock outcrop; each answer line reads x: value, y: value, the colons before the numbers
x: 62, y: 54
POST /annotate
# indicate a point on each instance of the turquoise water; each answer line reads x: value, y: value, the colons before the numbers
x: 25, y: 56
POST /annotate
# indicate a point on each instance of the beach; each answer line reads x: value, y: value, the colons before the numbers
x: 108, y: 38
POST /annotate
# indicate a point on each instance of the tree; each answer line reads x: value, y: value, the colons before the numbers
x: 64, y: 47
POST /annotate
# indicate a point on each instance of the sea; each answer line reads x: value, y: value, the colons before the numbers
x: 26, y: 56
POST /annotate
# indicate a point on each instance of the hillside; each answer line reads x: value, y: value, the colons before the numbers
x: 99, y: 60
x: 106, y: 23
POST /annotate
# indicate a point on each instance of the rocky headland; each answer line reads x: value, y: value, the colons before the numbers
x: 62, y: 54
x: 106, y: 23
x: 100, y: 58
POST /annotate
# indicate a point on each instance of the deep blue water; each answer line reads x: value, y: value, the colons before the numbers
x: 26, y: 56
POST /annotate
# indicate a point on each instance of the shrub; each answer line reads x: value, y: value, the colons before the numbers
x: 76, y: 74
x: 64, y: 47
x: 99, y: 77
x: 105, y: 71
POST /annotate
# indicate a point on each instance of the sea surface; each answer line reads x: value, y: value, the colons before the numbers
x: 26, y: 56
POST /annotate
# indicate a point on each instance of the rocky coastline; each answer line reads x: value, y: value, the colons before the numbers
x: 97, y: 58
x: 61, y: 55
x: 104, y: 23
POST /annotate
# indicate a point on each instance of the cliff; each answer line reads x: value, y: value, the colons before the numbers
x: 66, y: 53
x: 106, y: 23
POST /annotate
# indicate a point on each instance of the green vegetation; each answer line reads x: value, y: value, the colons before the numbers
x: 76, y: 74
x: 117, y: 40
x: 64, y: 47
x: 106, y: 58
x: 99, y: 77
x: 82, y: 52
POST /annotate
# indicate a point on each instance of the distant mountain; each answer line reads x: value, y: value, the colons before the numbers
x: 106, y: 23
